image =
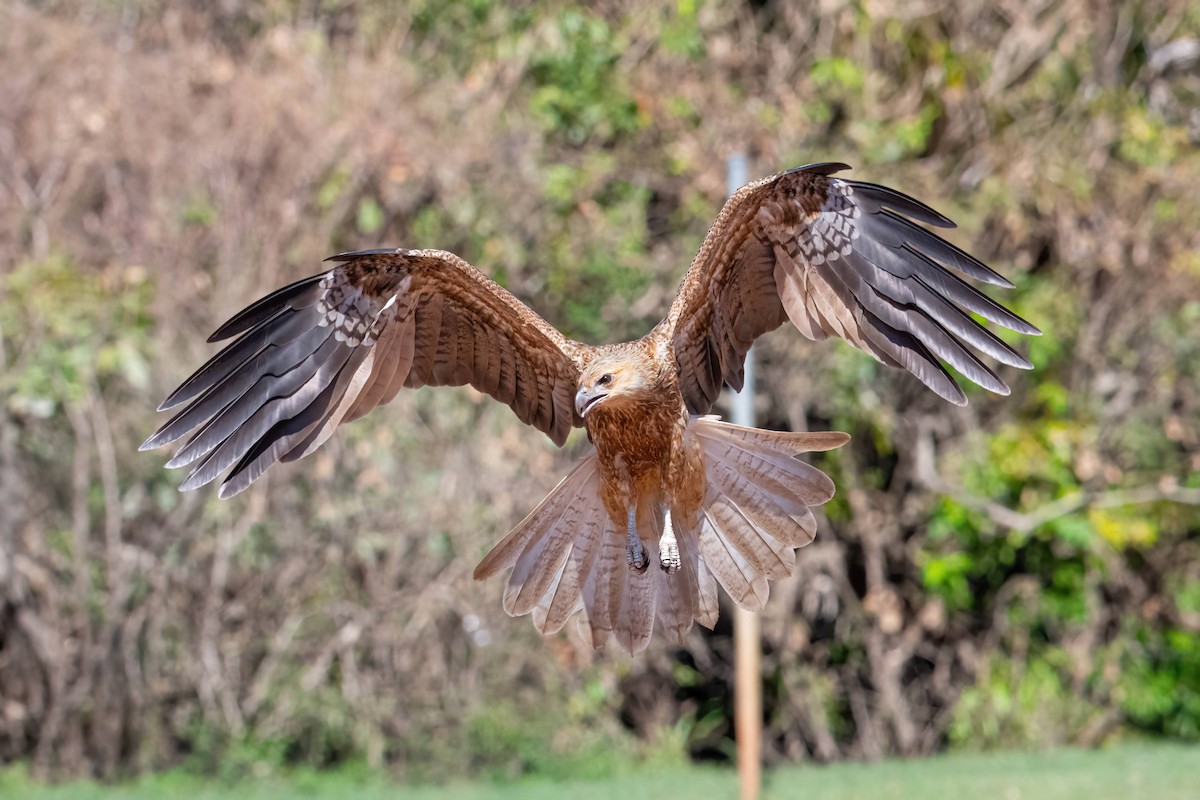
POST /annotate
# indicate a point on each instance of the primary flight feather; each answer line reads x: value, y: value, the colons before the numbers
x: 716, y: 503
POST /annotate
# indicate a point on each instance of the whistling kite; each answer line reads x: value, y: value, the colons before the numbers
x: 717, y: 502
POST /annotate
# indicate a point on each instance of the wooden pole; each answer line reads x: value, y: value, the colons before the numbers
x: 747, y: 646
x: 747, y: 697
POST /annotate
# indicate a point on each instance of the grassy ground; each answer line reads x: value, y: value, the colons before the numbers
x: 1164, y: 772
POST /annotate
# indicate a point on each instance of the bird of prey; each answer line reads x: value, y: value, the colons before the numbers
x: 707, y: 502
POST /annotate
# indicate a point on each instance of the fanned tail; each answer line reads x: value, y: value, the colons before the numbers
x: 757, y: 507
x: 623, y: 604
x: 552, y: 550
x: 567, y: 556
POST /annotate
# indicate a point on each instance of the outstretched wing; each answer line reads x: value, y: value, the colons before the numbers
x: 330, y: 348
x: 841, y: 258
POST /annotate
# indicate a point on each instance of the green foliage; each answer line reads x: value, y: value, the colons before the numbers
x: 948, y: 576
x: 199, y: 211
x: 567, y: 735
x: 1147, y: 140
x: 1030, y: 693
x: 594, y: 266
x: 217, y: 754
x: 1152, y: 673
x: 837, y: 81
x: 332, y: 188
x: 1007, y: 710
x: 837, y: 75
x: 579, y: 93
x: 467, y: 16
x: 370, y: 216
x: 69, y: 330
x: 681, y: 31
x: 504, y: 743
x: 1159, y: 684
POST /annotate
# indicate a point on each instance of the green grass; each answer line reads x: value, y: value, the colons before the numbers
x: 1163, y: 772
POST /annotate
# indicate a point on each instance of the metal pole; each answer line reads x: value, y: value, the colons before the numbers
x: 747, y: 663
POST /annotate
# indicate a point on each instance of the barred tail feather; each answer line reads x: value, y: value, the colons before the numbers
x: 741, y: 579
x: 679, y: 601
x: 603, y: 589
x: 580, y: 485
x: 564, y: 594
x: 618, y: 602
x: 639, y: 600
x: 707, y: 599
x: 757, y: 507
x: 566, y: 556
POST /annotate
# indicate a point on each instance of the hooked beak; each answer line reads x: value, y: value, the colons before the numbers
x: 586, y: 399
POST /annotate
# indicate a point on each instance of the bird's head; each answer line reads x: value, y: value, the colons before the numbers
x: 611, y: 381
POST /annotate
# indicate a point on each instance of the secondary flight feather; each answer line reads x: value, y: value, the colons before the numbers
x: 714, y: 503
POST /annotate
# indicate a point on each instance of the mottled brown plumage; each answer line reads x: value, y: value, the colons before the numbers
x: 709, y: 502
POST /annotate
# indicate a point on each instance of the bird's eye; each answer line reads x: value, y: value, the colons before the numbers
x: 605, y: 380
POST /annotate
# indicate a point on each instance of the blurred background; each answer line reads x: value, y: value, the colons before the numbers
x: 1020, y: 573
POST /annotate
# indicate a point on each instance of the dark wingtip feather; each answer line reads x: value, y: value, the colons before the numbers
x: 265, y: 308
x: 820, y: 168
x: 351, y: 255
x: 1020, y: 325
x: 904, y: 204
x: 897, y: 229
x: 194, y: 481
x: 227, y: 490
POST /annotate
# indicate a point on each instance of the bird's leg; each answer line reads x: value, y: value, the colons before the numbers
x: 635, y: 554
x: 668, y: 547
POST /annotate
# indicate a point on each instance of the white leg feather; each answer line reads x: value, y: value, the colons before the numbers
x: 668, y: 547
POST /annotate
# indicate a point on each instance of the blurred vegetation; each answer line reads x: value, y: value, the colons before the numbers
x: 1165, y: 772
x: 1021, y: 572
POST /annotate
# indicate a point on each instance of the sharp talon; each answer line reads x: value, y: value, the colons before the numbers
x: 668, y: 555
x: 635, y: 554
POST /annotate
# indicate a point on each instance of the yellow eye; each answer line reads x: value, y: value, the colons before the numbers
x: 605, y: 379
